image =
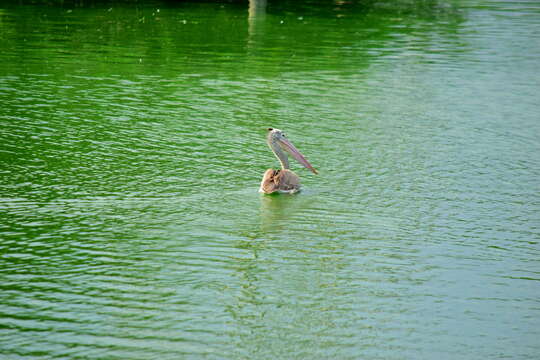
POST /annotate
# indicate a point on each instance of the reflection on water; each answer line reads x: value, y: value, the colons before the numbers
x: 276, y: 211
x: 257, y: 10
x: 132, y: 144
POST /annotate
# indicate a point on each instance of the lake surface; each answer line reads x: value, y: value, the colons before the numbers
x: 132, y: 144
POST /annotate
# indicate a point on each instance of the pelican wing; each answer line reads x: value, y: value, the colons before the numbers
x: 279, y: 180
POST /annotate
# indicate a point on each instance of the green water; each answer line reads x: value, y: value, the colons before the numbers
x: 132, y: 147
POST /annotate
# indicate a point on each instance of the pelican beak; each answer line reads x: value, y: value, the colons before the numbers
x: 291, y: 149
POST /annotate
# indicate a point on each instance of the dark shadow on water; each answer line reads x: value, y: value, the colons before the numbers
x: 240, y: 37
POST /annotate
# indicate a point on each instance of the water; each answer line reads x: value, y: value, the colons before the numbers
x: 132, y: 146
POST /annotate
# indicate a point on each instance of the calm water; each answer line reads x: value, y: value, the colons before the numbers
x: 132, y: 146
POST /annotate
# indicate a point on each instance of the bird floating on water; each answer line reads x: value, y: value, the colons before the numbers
x: 284, y: 180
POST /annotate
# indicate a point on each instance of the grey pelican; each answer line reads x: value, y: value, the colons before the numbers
x: 283, y: 180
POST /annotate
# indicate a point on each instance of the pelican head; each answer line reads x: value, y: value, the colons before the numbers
x: 278, y: 142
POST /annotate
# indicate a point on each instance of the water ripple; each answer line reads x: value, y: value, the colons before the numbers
x: 132, y: 145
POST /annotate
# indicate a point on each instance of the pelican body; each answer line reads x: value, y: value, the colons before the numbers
x: 283, y: 180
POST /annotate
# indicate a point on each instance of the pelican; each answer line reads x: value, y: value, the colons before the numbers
x: 284, y: 180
